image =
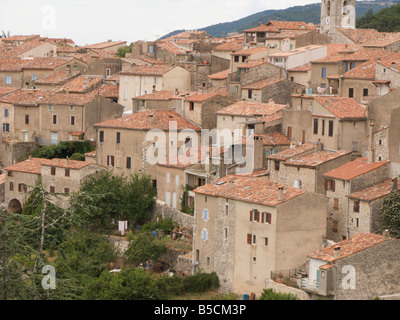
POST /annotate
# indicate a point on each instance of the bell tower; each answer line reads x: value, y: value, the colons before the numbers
x: 337, y: 14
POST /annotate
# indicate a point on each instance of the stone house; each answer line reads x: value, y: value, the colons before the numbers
x: 225, y: 50
x: 56, y: 80
x: 107, y: 45
x: 363, y: 267
x: 247, y: 55
x: 61, y: 176
x: 301, y: 75
x: 279, y: 90
x: 82, y: 84
x: 247, y: 227
x: 142, y: 80
x: 220, y: 79
x: 49, y: 117
x: 201, y: 108
x: 346, y: 180
x: 160, y: 100
x: 339, y: 123
x: 11, y: 74
x: 365, y: 205
x: 136, y: 143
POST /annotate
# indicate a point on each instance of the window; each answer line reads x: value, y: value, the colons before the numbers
x: 250, y: 94
x: 118, y: 137
x: 168, y: 177
x: 351, y: 93
x: 323, y: 127
x: 336, y: 204
x: 357, y: 222
x: 108, y: 72
x: 330, y: 185
x: 52, y: 189
x: 66, y: 190
x: 330, y: 128
x: 8, y: 79
x: 323, y: 73
x: 335, y: 226
x: 50, y: 108
x: 53, y: 171
x: 11, y: 186
x: 205, y: 214
x: 315, y: 126
x: 365, y: 92
x: 33, y: 76
x: 204, y: 235
x: 277, y: 165
x: 237, y: 59
x: 6, y: 113
x: 289, y: 132
x: 21, y: 187
x: 128, y: 162
x: 225, y: 233
x: 266, y: 217
x: 355, y: 146
x: 10, y: 173
x: 54, y: 119
x: 266, y: 242
x: 356, y: 207
x: 27, y: 119
x: 72, y: 121
x: 110, y: 161
x: 67, y: 172
x: 226, y: 209
x: 191, y: 106
x: 255, y: 216
x: 6, y: 127
x: 177, y: 180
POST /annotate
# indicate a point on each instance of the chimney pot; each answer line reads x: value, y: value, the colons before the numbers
x: 280, y: 193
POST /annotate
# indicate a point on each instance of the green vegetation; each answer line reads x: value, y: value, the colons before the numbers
x: 123, y: 51
x: 270, y: 294
x: 390, y: 214
x: 74, y: 150
x: 386, y: 20
x: 184, y: 205
x: 143, y: 247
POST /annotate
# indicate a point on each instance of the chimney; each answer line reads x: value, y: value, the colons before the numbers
x: 395, y: 184
x: 281, y: 193
x: 370, y: 143
x: 154, y: 88
x: 337, y: 251
x: 319, y: 146
x: 231, y: 184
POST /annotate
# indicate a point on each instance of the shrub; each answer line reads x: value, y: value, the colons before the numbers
x: 270, y: 294
x: 201, y: 282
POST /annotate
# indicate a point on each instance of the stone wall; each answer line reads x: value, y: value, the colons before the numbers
x: 12, y: 150
x: 265, y: 70
x: 280, y: 92
x: 183, y: 219
x: 281, y: 288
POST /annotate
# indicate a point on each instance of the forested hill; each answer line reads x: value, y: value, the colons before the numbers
x: 308, y: 13
x: 386, y: 20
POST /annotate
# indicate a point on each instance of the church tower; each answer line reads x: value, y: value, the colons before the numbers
x: 337, y: 14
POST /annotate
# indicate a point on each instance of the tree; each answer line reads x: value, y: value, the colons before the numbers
x: 143, y: 247
x: 389, y: 215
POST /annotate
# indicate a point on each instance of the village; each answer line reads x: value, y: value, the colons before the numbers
x: 273, y: 149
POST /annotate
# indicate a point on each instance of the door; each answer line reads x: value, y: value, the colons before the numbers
x: 54, y: 138
x: 25, y: 136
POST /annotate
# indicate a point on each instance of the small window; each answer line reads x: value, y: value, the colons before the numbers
x: 330, y: 128
x: 315, y: 126
x: 52, y: 189
x: 204, y: 235
x: 365, y: 92
x: 336, y: 204
x: 118, y: 137
x: 8, y: 79
x: 237, y: 59
x: 250, y: 94
x: 72, y: 120
x: 191, y: 106
x: 254, y: 240
x: 266, y: 242
x: 128, y: 162
x: 289, y: 132
x: 351, y: 93
x: 101, y: 136
x: 27, y: 119
x: 110, y: 161
x: 10, y: 173
x: 53, y: 171
x: 66, y: 190
x: 277, y: 165
x: 356, y: 207
x: 54, y: 119
x: 67, y: 172
x: 335, y: 226
x: 205, y: 214
x: 6, y: 113
x: 11, y: 186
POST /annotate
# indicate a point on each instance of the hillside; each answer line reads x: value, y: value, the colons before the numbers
x: 308, y: 13
x: 386, y: 20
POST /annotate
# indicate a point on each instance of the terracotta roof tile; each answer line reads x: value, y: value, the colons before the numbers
x: 263, y: 28
x: 375, y: 192
x: 257, y: 190
x: 104, y: 45
x: 234, y: 45
x: 297, y: 151
x: 317, y: 158
x: 58, y: 78
x: 48, y: 63
x: 27, y: 97
x: 291, y: 25
x: 173, y: 48
x: 147, y: 120
x: 354, y: 169
x: 162, y: 95
x: 69, y: 99
x: 269, y: 139
x: 303, y: 68
x: 262, y: 84
x: 250, y: 51
x: 6, y: 90
x: 83, y: 84
x: 220, y: 75
x: 107, y: 91
x: 158, y: 70
x: 348, y: 247
x: 342, y: 107
x: 247, y: 108
x: 12, y: 64
x: 33, y: 166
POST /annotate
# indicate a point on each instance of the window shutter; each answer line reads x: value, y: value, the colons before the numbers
x: 326, y: 184
x: 258, y: 216
x: 249, y: 237
x: 108, y: 161
x: 269, y: 218
x: 112, y: 161
x: 333, y: 185
x: 251, y: 215
x: 262, y: 217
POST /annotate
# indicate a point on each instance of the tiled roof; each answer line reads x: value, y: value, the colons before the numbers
x: 26, y: 97
x: 234, y: 45
x: 21, y: 38
x: 291, y: 25
x: 172, y: 47
x: 48, y: 63
x: 147, y: 70
x: 365, y: 71
x: 293, y: 152
x: 354, y: 169
x: 148, y: 120
x: 107, y: 91
x: 342, y: 107
x: 315, y: 159
x: 66, y: 163
x: 303, y: 68
x: 252, y: 64
x: 12, y: 64
x: 360, y: 36
x: 269, y: 139
x: 58, y: 78
x: 348, y: 247
x: 151, y: 60
x: 91, y: 154
x: 220, y: 75
x: 32, y: 165
x: 104, y: 45
x: 263, y: 28
x: 261, y: 84
x: 247, y: 108
x: 6, y: 90
x: 296, y: 51
x: 375, y: 192
x: 160, y: 95
x: 250, y: 51
x: 258, y: 190
x: 83, y: 83
x: 201, y: 97
x: 292, y: 34
x: 69, y: 99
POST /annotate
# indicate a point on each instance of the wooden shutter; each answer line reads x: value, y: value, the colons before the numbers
x: 269, y: 218
x: 326, y: 184
x: 251, y: 215
x: 249, y: 238
x: 333, y: 185
x: 258, y: 216
x: 262, y: 217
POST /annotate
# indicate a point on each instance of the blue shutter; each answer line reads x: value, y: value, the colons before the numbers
x: 323, y: 73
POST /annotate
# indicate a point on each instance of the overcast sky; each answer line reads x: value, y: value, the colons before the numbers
x: 91, y: 21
